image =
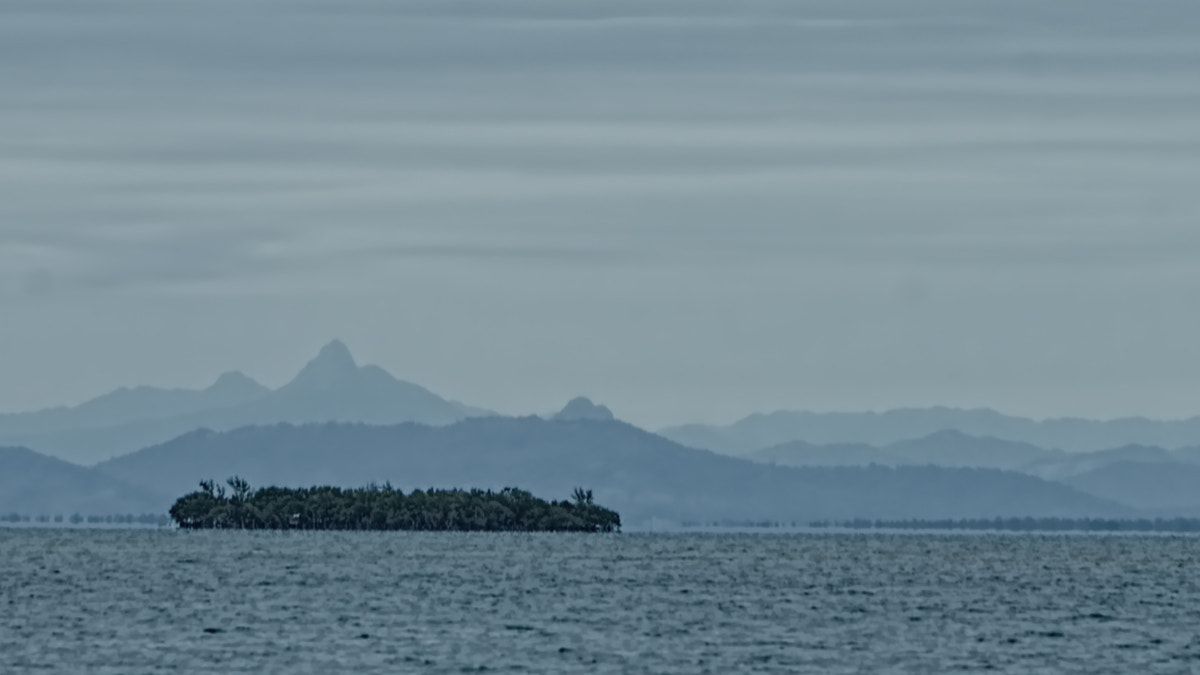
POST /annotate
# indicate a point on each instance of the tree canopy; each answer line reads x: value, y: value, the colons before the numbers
x: 386, y: 508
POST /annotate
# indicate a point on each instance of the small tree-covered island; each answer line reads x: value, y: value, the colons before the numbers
x: 386, y: 508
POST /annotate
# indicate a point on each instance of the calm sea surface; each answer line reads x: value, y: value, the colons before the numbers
x: 231, y: 602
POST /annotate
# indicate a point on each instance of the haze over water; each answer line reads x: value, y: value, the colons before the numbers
x: 232, y: 602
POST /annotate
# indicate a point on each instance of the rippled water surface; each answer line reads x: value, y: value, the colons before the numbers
x: 153, y: 601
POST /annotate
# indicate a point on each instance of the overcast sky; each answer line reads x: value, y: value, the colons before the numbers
x: 689, y: 211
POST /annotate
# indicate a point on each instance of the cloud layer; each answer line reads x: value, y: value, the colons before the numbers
x: 687, y: 210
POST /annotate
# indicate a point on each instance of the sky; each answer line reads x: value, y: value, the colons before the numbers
x: 689, y: 211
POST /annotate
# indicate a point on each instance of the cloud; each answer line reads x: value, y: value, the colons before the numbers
x: 699, y: 190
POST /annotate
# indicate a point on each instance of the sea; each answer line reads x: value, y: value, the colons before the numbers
x: 158, y: 601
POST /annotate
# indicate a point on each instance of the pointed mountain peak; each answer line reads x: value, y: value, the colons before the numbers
x: 332, y: 363
x: 581, y: 408
x: 235, y: 380
x: 336, y: 354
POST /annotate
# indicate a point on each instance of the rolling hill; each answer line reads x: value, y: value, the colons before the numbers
x: 31, y: 483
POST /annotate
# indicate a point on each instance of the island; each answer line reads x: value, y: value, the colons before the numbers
x: 385, y: 508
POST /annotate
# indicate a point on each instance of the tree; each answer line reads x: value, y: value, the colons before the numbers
x: 372, y: 508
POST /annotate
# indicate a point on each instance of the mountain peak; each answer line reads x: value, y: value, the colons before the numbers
x: 332, y: 363
x: 581, y: 408
x: 235, y: 381
x: 336, y: 353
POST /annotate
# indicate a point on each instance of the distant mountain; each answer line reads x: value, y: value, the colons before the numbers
x: 1189, y: 455
x: 126, y: 405
x: 1074, y: 464
x: 1158, y: 486
x: 331, y: 387
x: 34, y: 484
x: 642, y: 475
x: 803, y: 454
x: 1159, y: 481
x: 583, y: 409
x: 945, y: 448
x: 954, y: 448
x: 882, y: 429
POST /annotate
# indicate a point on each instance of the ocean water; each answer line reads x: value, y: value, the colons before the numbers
x: 85, y: 601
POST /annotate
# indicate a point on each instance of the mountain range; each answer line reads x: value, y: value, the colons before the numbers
x: 642, y: 475
x: 1138, y: 476
x: 947, y: 448
x: 331, y: 387
x: 1070, y: 434
x: 338, y: 422
x: 950, y: 448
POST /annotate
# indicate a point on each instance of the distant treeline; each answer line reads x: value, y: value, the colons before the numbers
x: 1025, y: 524
x: 156, y: 519
x: 386, y: 508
